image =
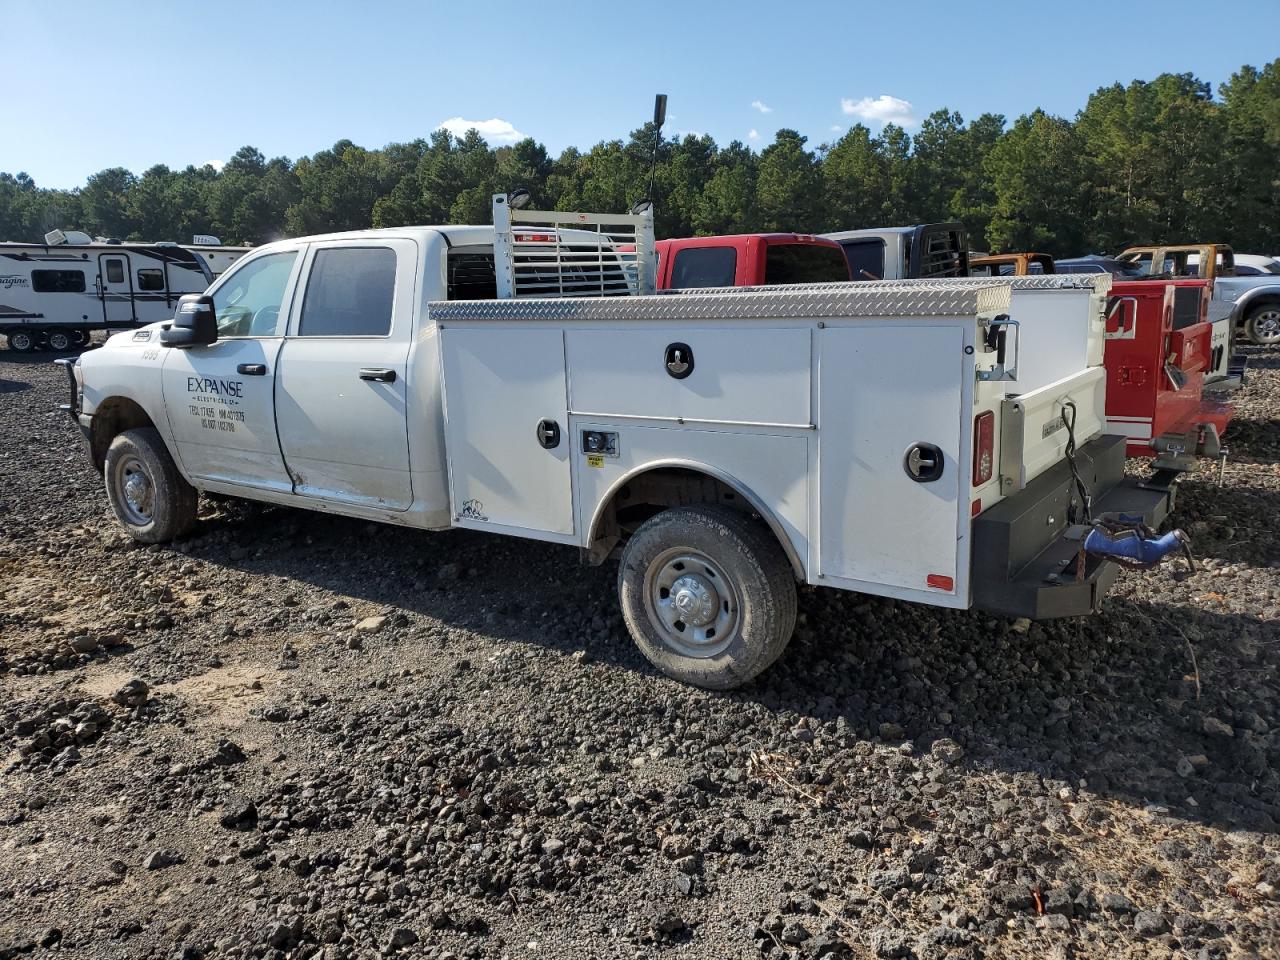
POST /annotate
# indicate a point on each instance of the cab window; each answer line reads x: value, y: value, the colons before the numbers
x: 788, y: 263
x: 703, y: 267
x: 865, y: 258
x: 350, y: 293
x: 248, y: 303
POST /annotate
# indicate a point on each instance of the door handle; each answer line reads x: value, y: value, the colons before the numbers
x: 252, y: 369
x: 924, y: 462
x: 379, y: 374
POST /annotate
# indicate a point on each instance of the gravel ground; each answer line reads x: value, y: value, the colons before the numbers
x: 282, y: 737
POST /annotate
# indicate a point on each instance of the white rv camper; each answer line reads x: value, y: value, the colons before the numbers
x: 216, y: 254
x: 52, y: 295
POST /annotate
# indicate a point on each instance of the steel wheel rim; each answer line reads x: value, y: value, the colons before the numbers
x: 691, y: 603
x: 137, y: 491
x: 1266, y: 325
x: 59, y: 341
x: 20, y: 341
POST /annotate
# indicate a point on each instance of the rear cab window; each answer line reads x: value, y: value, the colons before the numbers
x: 787, y: 263
x: 704, y: 267
x: 865, y: 258
x: 350, y: 293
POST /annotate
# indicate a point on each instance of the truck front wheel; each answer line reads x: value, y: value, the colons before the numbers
x: 149, y: 496
x: 707, y: 595
x: 1263, y: 325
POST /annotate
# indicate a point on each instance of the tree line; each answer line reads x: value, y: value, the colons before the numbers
x: 1158, y: 160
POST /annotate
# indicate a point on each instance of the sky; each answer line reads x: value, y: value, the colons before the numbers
x: 132, y: 83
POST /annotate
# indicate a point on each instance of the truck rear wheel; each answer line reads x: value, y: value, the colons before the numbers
x: 80, y: 337
x: 707, y: 595
x: 21, y: 341
x: 148, y: 495
x: 58, y: 340
x: 1263, y: 324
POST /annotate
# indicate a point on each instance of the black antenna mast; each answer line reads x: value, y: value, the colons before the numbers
x: 659, y: 117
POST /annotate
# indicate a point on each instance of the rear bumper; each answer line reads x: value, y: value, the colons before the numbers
x: 1023, y: 564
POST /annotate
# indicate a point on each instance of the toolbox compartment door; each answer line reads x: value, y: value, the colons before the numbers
x: 885, y: 389
x: 504, y: 392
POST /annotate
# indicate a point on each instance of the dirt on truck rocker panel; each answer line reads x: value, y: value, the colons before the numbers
x: 722, y: 445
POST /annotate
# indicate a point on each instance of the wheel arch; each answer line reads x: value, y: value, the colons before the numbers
x: 1270, y: 293
x: 676, y: 477
x: 111, y: 417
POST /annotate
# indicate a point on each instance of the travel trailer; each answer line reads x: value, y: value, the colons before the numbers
x: 52, y: 295
x: 217, y: 255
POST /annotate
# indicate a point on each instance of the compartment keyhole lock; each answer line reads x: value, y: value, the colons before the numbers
x: 679, y: 360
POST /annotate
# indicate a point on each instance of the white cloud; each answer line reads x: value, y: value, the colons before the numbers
x: 881, y: 109
x: 495, y: 130
x: 753, y: 134
x: 762, y: 106
x: 836, y: 128
x: 216, y: 164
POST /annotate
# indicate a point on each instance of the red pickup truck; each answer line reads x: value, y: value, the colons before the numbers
x: 749, y: 260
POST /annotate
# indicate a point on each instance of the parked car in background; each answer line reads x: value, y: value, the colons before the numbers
x: 749, y: 260
x: 1247, y: 306
x: 1095, y: 263
x: 1256, y: 265
x: 926, y: 251
x: 1011, y: 265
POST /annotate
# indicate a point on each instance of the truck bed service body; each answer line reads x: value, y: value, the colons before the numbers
x: 725, y: 444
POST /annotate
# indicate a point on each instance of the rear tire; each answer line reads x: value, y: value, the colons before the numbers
x: 1263, y: 324
x: 707, y: 594
x: 80, y: 338
x: 21, y: 341
x: 58, y: 340
x: 148, y: 495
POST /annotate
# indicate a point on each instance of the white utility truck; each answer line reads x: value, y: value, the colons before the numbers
x: 53, y: 294
x: 724, y: 444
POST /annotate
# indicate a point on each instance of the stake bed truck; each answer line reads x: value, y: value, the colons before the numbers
x: 723, y: 444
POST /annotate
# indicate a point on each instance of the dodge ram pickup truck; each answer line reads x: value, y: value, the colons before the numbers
x: 724, y: 445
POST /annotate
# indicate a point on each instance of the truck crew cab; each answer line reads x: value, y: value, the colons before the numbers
x: 525, y: 379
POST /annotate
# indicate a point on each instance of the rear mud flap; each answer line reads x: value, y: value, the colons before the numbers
x: 1024, y: 561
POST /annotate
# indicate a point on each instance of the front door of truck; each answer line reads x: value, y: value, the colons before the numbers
x: 893, y: 460
x: 341, y: 397
x: 220, y: 398
x: 115, y: 289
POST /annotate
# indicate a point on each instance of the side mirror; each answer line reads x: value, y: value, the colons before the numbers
x: 194, y: 324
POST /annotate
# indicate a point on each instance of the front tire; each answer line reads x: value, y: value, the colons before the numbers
x: 1263, y: 324
x: 148, y: 495
x: 707, y: 595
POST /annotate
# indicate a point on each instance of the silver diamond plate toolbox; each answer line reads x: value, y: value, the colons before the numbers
x: 901, y: 298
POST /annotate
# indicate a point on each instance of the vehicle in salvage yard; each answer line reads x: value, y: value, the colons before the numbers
x: 53, y: 294
x: 886, y: 438
x: 925, y: 251
x: 749, y: 260
x: 1158, y: 349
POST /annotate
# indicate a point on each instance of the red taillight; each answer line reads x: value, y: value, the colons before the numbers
x: 975, y: 508
x: 941, y: 581
x: 984, y: 447
x: 534, y: 237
